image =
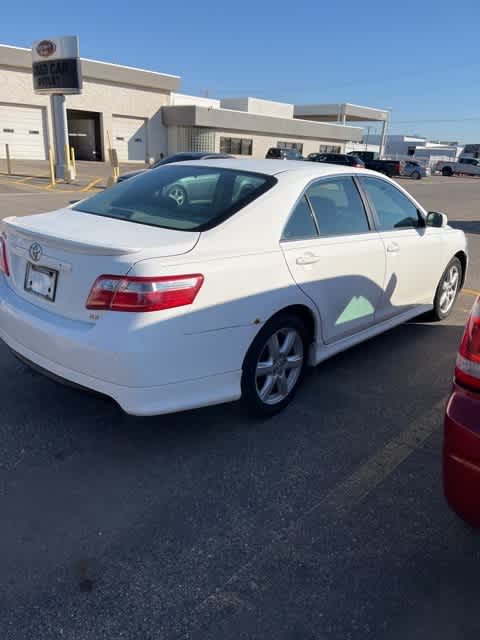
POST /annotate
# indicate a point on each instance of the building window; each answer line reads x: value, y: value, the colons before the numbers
x: 236, y: 146
x: 329, y: 148
x: 196, y: 139
x: 291, y: 145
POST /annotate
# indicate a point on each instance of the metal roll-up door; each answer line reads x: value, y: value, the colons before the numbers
x: 130, y: 138
x: 23, y: 129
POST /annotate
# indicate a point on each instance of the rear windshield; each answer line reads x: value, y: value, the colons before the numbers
x: 184, y: 198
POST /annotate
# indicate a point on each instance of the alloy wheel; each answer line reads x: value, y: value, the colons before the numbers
x: 177, y: 194
x: 450, y: 285
x: 279, y: 366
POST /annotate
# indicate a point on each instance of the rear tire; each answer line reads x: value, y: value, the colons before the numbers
x: 275, y: 365
x: 447, y: 290
x: 416, y: 175
x: 447, y: 171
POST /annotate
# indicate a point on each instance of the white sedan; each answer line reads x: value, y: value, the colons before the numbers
x: 258, y: 270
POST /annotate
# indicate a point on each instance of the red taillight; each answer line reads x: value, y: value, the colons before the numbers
x: 131, y: 293
x: 3, y: 257
x: 467, y: 370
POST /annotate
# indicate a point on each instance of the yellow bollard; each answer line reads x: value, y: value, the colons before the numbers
x: 7, y: 155
x: 115, y: 166
x: 67, y: 156
x: 51, y: 162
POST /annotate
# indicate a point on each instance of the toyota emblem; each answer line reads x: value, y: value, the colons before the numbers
x: 46, y: 48
x: 35, y: 252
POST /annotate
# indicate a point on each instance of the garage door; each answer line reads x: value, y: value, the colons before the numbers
x: 130, y: 138
x: 23, y: 129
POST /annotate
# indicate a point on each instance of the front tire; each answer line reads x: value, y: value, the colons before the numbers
x: 275, y: 365
x: 447, y: 171
x: 416, y: 175
x: 447, y: 290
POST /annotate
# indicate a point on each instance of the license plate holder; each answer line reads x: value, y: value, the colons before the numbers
x: 41, y: 281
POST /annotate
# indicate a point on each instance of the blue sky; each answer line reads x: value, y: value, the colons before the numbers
x: 420, y: 58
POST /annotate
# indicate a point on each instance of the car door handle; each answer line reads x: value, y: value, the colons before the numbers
x: 307, y: 259
x: 393, y: 247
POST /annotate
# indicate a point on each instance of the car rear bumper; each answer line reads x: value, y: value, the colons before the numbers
x: 461, y: 454
x: 141, y: 401
x: 147, y: 369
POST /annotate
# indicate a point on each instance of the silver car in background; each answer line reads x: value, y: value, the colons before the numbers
x: 413, y: 169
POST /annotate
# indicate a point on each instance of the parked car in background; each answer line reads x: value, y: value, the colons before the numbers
x: 280, y: 153
x: 412, y: 169
x: 262, y: 269
x: 349, y: 160
x: 461, y: 448
x: 176, y: 157
x: 469, y: 166
x: 390, y: 168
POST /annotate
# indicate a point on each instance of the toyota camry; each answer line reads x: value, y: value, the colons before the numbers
x: 259, y: 270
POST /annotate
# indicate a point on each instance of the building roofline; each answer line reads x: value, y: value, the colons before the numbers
x: 231, y: 120
x: 340, y: 109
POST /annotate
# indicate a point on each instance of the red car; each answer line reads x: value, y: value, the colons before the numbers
x: 461, y: 448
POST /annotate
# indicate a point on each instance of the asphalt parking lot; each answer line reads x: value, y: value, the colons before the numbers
x: 326, y: 522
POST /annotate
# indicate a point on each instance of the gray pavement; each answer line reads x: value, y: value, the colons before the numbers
x: 326, y: 522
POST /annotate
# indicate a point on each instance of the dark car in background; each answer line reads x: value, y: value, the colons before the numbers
x: 337, y: 158
x: 176, y: 157
x: 389, y: 168
x: 280, y: 153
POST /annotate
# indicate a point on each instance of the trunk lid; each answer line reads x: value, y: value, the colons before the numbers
x: 70, y: 249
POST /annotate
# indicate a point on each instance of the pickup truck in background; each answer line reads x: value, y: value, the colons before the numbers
x: 470, y: 166
x: 390, y: 168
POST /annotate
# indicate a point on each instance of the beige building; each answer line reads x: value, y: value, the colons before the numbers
x: 141, y: 114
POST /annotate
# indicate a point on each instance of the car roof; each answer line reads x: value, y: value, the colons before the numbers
x: 275, y: 167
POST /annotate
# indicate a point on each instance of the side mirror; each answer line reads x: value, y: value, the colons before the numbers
x: 436, y: 219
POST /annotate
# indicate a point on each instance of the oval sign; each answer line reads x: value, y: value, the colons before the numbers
x: 46, y: 48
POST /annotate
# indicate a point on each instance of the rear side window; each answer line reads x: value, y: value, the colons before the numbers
x: 338, y: 207
x: 180, y: 197
x: 394, y: 210
x: 301, y: 224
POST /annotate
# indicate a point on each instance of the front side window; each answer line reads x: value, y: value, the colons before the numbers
x: 301, y: 224
x: 338, y: 207
x: 180, y: 197
x: 394, y: 210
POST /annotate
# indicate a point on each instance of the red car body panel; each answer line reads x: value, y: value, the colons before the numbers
x: 461, y: 454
